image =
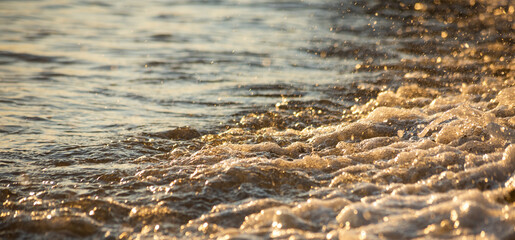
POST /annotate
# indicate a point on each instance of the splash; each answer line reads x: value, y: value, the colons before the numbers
x: 427, y: 150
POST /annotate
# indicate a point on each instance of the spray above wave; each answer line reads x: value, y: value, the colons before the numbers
x: 427, y: 153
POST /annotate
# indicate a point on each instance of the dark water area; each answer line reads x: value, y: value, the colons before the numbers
x: 257, y: 119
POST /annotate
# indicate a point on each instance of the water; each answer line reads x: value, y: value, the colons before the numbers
x: 86, y: 72
x: 308, y: 119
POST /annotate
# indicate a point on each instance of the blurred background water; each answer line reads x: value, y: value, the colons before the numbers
x: 82, y: 74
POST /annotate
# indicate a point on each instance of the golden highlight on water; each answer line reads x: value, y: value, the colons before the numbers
x: 425, y: 150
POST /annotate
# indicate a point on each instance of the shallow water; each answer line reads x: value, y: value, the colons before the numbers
x: 77, y: 73
x: 309, y: 119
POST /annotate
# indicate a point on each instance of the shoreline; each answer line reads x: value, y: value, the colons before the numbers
x: 421, y: 147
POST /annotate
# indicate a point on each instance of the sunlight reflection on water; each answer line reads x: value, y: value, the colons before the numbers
x: 371, y: 119
x: 100, y: 69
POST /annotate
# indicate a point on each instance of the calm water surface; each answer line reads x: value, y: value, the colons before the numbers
x: 83, y: 73
x: 369, y: 119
